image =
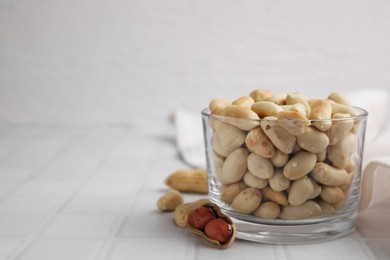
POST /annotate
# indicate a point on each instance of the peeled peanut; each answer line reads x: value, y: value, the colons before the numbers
x: 298, y: 166
x: 344, y: 109
x: 218, y: 163
x: 279, y: 136
x: 300, y: 190
x: 244, y: 101
x: 278, y: 197
x: 279, y: 159
x: 247, y: 201
x: 217, y: 146
x: 258, y: 142
x: 340, y: 128
x: 260, y: 94
x: 240, y: 117
x: 339, y: 98
x: 279, y: 99
x: 268, y: 210
x: 170, y: 200
x: 329, y: 175
x: 321, y: 109
x: 229, y: 136
x: 255, y: 182
x: 332, y: 194
x: 191, y: 180
x: 234, y: 166
x: 266, y: 108
x: 306, y: 210
x: 294, y: 98
x: 259, y: 166
x: 313, y: 140
x: 321, y: 156
x: 229, y: 192
x: 294, y: 122
x: 341, y: 153
x: 278, y: 182
x: 217, y: 105
x: 298, y: 107
x: 326, y: 208
x: 317, y: 189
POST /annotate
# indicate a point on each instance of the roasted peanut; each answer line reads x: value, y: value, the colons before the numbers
x: 306, y: 210
x: 247, y: 201
x: 279, y: 99
x: 268, y: 210
x: 259, y: 166
x: 321, y: 109
x: 235, y: 114
x: 266, y: 108
x: 313, y: 140
x: 170, y: 200
x: 258, y: 142
x: 279, y: 136
x: 260, y: 94
x: 234, y: 167
x: 278, y: 182
x: 300, y: 190
x: 341, y: 153
x: 298, y: 166
x: 340, y: 128
x: 294, y: 122
x: 326, y: 208
x: 217, y: 105
x: 339, y: 98
x: 340, y: 108
x: 328, y: 175
x: 217, y: 146
x: 316, y: 189
x: 294, y: 98
x: 276, y: 196
x: 279, y: 159
x: 192, y: 180
x: 244, y: 101
x: 332, y: 194
x: 229, y: 192
x: 253, y: 181
x: 229, y: 136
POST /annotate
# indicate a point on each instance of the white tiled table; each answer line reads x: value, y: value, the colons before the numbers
x: 85, y: 193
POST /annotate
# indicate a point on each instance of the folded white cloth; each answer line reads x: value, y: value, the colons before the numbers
x: 375, y: 186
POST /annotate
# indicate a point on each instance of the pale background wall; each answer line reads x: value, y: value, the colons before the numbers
x: 125, y: 61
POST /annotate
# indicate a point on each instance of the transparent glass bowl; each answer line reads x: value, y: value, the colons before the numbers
x: 286, y: 181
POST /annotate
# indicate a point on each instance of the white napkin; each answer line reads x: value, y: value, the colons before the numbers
x: 375, y: 186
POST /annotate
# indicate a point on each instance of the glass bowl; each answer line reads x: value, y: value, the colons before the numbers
x: 286, y: 181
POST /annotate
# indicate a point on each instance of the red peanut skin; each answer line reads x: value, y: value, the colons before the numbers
x: 218, y: 229
x: 199, y: 217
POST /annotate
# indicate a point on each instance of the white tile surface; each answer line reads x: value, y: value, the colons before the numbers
x: 61, y: 250
x: 107, y: 210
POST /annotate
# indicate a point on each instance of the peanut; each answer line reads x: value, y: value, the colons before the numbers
x: 341, y: 153
x: 217, y: 105
x: 279, y: 159
x: 247, y: 201
x: 257, y: 142
x: 279, y: 136
x: 193, y: 180
x: 234, y: 166
x: 238, y: 116
x: 218, y: 229
x: 266, y: 108
x: 230, y: 137
x: 321, y: 109
x: 268, y: 210
x: 278, y: 182
x: 300, y: 190
x: 276, y: 196
x: 260, y: 94
x: 340, y: 128
x: 170, y: 200
x: 328, y: 175
x: 294, y: 122
x: 199, y: 217
x: 313, y: 140
x: 306, y: 210
x: 229, y: 192
x: 298, y: 166
x: 259, y: 166
x: 244, y: 101
x: 182, y: 211
x: 332, y: 194
x: 255, y: 182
